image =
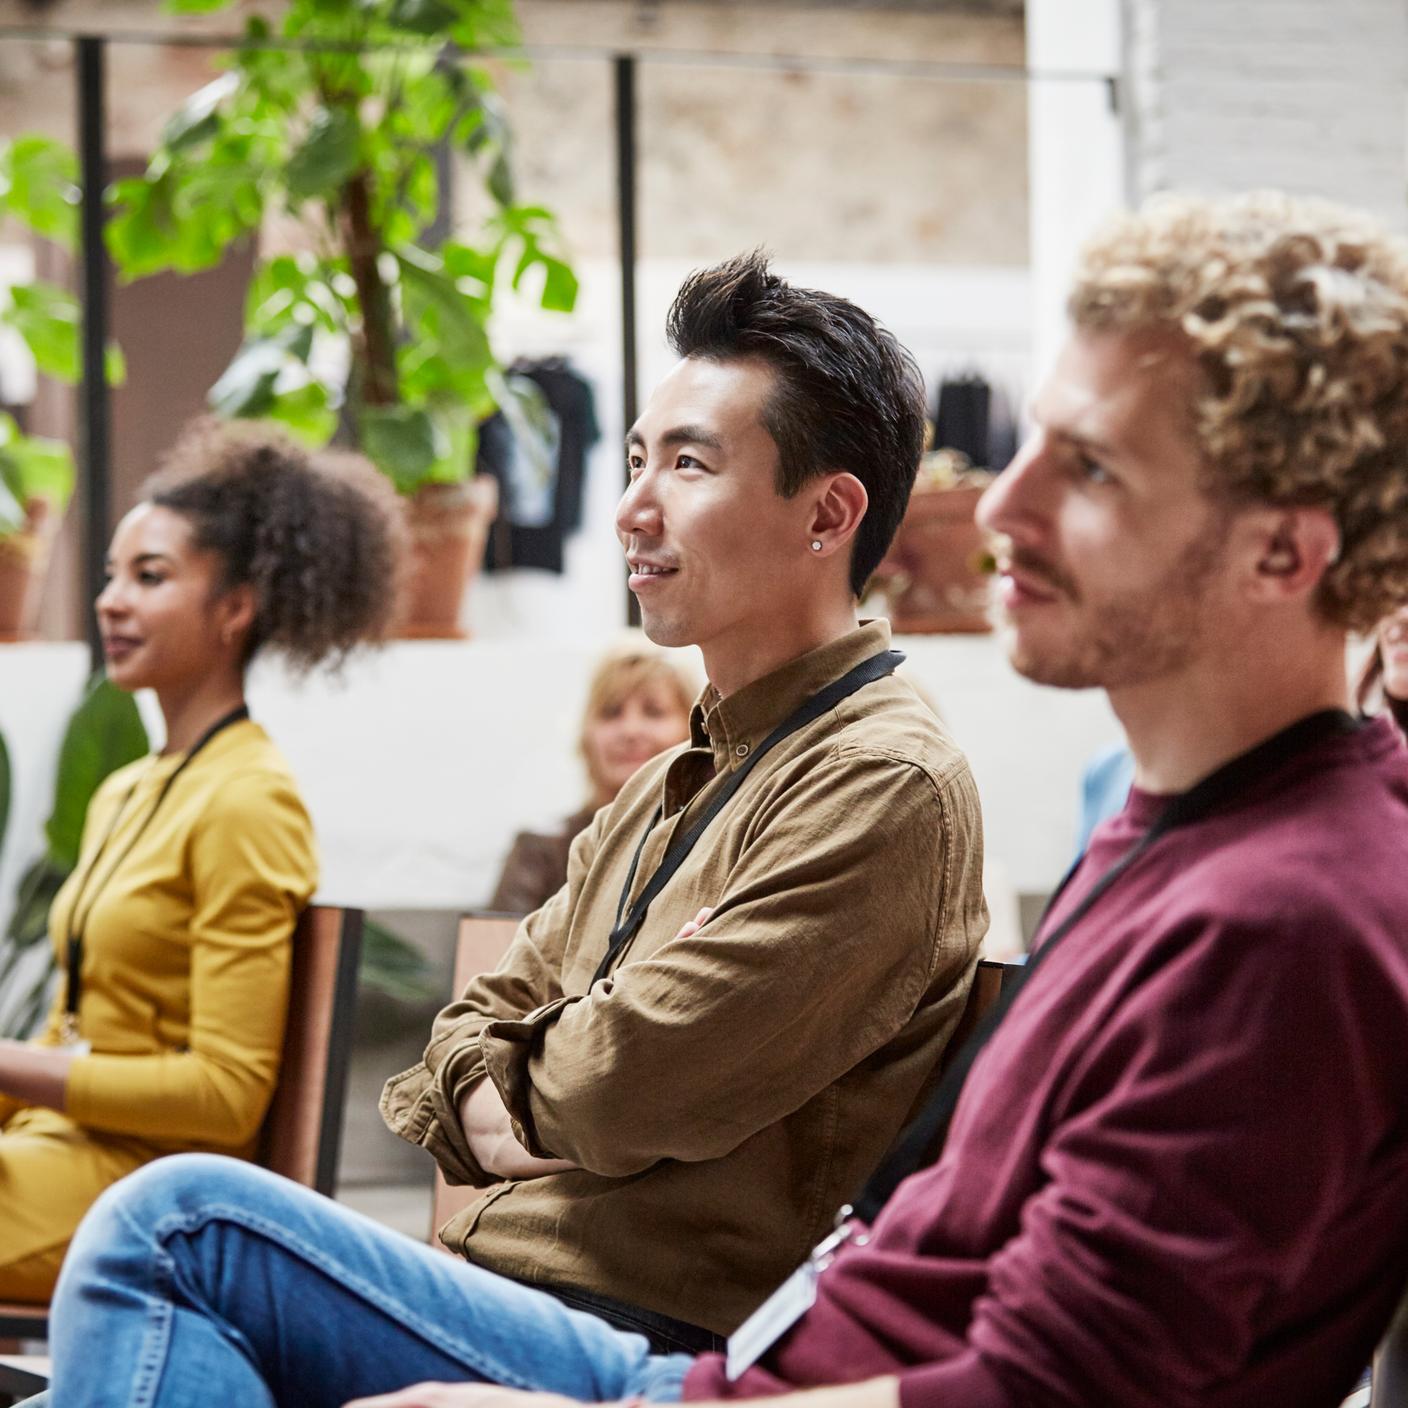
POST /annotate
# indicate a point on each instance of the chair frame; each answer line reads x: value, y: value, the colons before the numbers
x: 327, y: 949
x: 483, y: 938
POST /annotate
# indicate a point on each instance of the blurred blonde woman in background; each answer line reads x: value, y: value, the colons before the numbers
x: 638, y: 705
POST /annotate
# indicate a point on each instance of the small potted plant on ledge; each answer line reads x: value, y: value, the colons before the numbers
x: 370, y: 326
x: 936, y: 574
x: 38, y: 188
x: 36, y: 479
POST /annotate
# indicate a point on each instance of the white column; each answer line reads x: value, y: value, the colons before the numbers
x: 1076, y: 149
x: 1302, y: 95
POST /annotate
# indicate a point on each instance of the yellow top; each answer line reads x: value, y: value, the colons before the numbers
x: 187, y: 945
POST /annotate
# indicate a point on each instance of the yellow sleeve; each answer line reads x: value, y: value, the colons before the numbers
x: 252, y: 870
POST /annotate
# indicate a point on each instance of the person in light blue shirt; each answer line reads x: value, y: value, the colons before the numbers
x: 1104, y: 788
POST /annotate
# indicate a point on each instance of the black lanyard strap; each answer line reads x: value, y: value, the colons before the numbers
x: 78, y: 927
x: 925, y: 1133
x: 628, y: 922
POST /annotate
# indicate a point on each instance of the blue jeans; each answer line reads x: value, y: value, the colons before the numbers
x: 199, y: 1279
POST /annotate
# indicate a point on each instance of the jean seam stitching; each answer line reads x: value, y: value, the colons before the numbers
x: 475, y: 1359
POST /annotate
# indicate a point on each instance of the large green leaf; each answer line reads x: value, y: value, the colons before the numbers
x: 246, y: 386
x: 431, y: 17
x: 49, y: 319
x: 104, y: 734
x: 402, y: 441
x: 436, y: 309
x: 306, y: 412
x: 198, y: 117
x: 31, y: 467
x: 39, y: 185
x: 328, y: 156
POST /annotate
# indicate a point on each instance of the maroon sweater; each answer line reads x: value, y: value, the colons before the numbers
x: 1178, y: 1175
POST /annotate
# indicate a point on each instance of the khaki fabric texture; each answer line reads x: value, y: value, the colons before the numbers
x: 722, y: 1094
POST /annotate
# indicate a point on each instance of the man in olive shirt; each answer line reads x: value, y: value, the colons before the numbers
x: 661, y: 1131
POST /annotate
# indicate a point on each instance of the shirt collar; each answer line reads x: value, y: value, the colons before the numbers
x: 731, y: 728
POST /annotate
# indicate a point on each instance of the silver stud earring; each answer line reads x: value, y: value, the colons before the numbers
x: 816, y: 544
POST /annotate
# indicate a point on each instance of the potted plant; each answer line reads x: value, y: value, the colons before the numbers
x: 373, y: 330
x: 104, y: 733
x: 936, y: 575
x: 38, y: 187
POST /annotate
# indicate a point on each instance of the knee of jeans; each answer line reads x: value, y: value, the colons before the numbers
x: 174, y: 1184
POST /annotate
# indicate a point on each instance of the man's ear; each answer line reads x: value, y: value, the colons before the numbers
x: 1292, y: 549
x: 839, y: 502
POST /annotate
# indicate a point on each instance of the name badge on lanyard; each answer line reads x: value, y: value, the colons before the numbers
x: 790, y: 1301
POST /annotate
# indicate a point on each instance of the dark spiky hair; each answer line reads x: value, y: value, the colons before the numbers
x: 847, y: 395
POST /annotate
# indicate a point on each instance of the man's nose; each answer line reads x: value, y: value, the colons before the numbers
x: 1011, y: 498
x: 639, y: 509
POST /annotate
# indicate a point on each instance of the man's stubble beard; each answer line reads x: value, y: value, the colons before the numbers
x: 1139, y: 638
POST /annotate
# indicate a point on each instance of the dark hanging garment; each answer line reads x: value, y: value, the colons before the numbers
x: 961, y: 418
x: 524, y: 536
x: 1002, y: 432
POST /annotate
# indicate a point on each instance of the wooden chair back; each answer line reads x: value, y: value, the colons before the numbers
x: 303, y: 1129
x: 483, y: 939
x: 302, y: 1133
x: 988, y: 981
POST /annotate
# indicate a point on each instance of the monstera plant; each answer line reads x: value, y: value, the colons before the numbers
x: 367, y: 317
x: 372, y: 323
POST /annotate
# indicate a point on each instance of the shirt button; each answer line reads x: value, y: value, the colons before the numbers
x: 742, y: 750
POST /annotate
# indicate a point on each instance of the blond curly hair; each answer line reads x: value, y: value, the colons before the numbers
x: 1296, y: 310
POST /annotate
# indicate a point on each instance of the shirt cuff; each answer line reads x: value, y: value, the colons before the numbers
x: 444, y: 1137
x: 507, y: 1047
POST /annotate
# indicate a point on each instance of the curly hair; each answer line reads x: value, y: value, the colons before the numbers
x: 319, y: 535
x: 847, y: 396
x: 1296, y: 311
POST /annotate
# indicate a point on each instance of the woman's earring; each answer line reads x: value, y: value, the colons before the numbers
x: 816, y: 544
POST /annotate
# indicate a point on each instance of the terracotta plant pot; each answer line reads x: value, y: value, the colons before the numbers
x: 23, y: 558
x: 449, y: 526
x: 934, y: 575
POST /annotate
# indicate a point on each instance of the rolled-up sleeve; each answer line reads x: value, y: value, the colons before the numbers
x: 421, y: 1104
x: 806, y: 967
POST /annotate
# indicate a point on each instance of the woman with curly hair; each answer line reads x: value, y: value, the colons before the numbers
x: 174, y: 931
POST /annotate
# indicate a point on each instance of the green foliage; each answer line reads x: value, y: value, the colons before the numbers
x: 104, y: 733
x: 47, y: 317
x: 31, y: 467
x: 342, y: 132
x: 5, y: 779
x: 39, y: 186
x: 394, y: 967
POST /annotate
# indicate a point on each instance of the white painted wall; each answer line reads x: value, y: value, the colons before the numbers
x: 1296, y: 94
x: 1075, y: 147
x: 420, y: 763
x: 952, y: 318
